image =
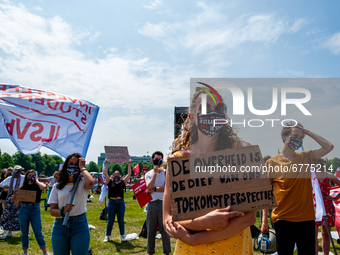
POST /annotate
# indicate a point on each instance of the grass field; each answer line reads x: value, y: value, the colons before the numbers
x: 134, y: 219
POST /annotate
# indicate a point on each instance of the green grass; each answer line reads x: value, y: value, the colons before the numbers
x: 134, y: 219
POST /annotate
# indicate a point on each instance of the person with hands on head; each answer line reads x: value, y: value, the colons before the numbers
x: 220, y: 231
x: 294, y: 216
x: 30, y: 212
x: 155, y: 181
x: 116, y: 186
x: 75, y: 236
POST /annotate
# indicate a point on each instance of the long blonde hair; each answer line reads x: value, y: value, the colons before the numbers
x: 189, y: 132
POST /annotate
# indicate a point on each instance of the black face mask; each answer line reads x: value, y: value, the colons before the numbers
x: 31, y: 179
x: 206, y: 123
x: 116, y: 178
x: 157, y: 162
x: 9, y: 174
x: 73, y: 170
x: 295, y: 143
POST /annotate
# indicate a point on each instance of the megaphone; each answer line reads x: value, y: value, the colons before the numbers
x: 265, y: 242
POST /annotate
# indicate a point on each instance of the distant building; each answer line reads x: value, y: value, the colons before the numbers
x: 134, y: 159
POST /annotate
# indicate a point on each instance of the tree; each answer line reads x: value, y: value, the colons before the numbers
x: 92, y: 167
x: 23, y: 160
x: 51, y: 165
x: 124, y: 168
x: 114, y: 167
x: 7, y: 160
x: 39, y: 162
x: 58, y: 160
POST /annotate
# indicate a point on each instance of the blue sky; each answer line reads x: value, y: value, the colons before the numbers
x: 135, y: 59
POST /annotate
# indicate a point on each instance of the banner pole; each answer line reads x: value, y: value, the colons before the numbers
x: 330, y: 236
x: 71, y: 200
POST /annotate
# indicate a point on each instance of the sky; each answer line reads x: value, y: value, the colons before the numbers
x: 134, y: 59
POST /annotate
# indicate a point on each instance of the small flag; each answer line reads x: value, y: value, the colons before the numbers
x: 103, y: 192
x: 136, y: 169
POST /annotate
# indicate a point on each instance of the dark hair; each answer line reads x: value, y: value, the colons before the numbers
x: 63, y: 175
x: 157, y: 153
x: 25, y: 184
x: 3, y: 173
x: 287, y: 128
x: 9, y: 169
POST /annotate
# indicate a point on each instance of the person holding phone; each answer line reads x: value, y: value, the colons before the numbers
x: 116, y: 185
x: 29, y: 212
x: 75, y: 236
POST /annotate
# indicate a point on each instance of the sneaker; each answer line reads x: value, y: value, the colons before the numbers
x: 123, y: 238
x: 46, y: 253
x: 106, y: 239
x: 24, y: 254
x: 9, y: 234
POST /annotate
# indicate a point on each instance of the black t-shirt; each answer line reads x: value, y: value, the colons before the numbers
x: 34, y: 187
x: 116, y: 190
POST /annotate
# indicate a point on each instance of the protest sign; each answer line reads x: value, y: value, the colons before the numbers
x: 139, y: 189
x: 195, y: 191
x: 32, y: 118
x: 145, y: 168
x: 118, y: 154
x: 25, y: 195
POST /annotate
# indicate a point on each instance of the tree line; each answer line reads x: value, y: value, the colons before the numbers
x: 47, y: 165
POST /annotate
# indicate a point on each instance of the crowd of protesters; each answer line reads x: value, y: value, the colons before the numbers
x: 221, y: 231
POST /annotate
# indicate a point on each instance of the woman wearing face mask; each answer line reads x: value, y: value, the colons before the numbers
x: 75, y: 236
x: 116, y: 186
x: 9, y: 219
x: 220, y: 231
x: 30, y: 212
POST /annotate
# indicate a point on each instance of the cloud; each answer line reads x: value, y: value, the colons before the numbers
x: 44, y: 53
x: 154, y: 4
x: 210, y: 29
x: 38, y: 8
x: 298, y: 24
x: 333, y: 43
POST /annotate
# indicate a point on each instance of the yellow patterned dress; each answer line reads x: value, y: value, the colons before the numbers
x: 238, y: 244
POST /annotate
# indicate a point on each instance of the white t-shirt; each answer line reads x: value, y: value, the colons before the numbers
x: 51, y: 180
x: 62, y: 197
x: 160, y: 181
x: 7, y: 181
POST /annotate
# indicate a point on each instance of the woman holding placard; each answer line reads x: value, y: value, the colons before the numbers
x: 116, y: 186
x: 30, y: 212
x: 220, y: 231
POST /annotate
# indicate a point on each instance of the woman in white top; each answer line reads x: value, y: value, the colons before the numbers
x: 75, y: 236
x: 9, y: 219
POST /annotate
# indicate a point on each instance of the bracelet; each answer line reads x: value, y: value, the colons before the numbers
x: 62, y: 212
x: 83, y: 169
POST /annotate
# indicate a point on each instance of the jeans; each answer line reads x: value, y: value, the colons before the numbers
x: 74, y: 237
x: 48, y: 196
x: 154, y: 218
x: 116, y: 207
x: 30, y: 212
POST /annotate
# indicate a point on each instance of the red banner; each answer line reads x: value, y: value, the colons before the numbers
x: 139, y: 191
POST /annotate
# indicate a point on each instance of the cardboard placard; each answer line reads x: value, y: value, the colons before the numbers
x: 139, y: 191
x: 25, y: 195
x: 117, y: 154
x: 194, y: 192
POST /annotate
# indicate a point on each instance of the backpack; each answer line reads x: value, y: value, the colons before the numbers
x: 144, y: 231
x: 103, y: 214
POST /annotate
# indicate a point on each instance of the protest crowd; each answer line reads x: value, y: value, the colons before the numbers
x: 215, y: 231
